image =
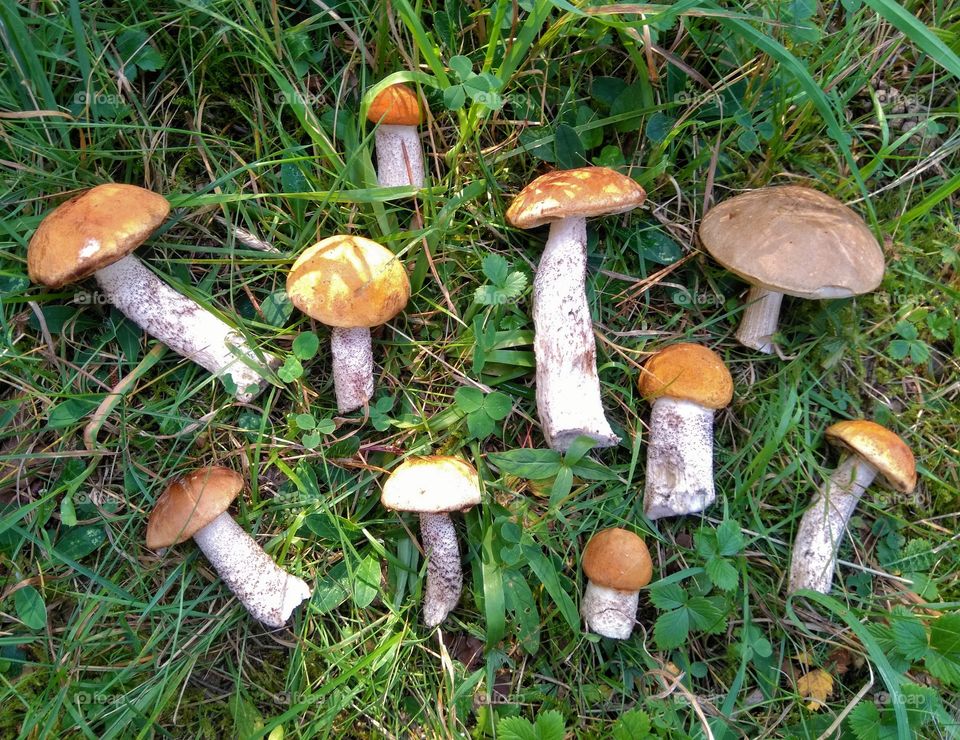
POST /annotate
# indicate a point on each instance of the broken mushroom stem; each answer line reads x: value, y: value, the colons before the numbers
x: 183, y: 325
x: 568, y: 387
x: 444, y: 574
x: 609, y: 611
x: 825, y: 523
x: 352, y: 352
x: 268, y: 592
x: 399, y: 156
x: 758, y: 323
x: 679, y: 458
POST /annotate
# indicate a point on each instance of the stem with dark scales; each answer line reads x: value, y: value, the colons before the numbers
x: 183, y: 325
x: 824, y: 524
x: 568, y: 387
x: 758, y: 323
x: 444, y: 576
x: 352, y: 367
x: 399, y: 156
x: 609, y: 611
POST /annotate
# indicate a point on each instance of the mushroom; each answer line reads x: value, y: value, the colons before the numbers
x: 399, y: 153
x: 350, y: 284
x: 434, y: 487
x: 568, y: 388
x: 790, y: 240
x: 870, y: 449
x: 196, y: 506
x: 95, y: 233
x: 687, y: 383
x: 617, y: 565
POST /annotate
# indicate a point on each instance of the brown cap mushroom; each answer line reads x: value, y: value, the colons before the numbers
x: 351, y: 284
x: 94, y: 233
x: 870, y: 449
x: 397, y: 112
x: 617, y: 565
x: 433, y: 487
x: 196, y: 506
x: 568, y: 388
x: 687, y: 383
x: 790, y: 240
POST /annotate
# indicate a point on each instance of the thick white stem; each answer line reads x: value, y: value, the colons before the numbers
x: 568, y: 388
x: 399, y: 156
x: 758, y: 323
x: 679, y: 459
x: 268, y: 592
x: 444, y: 575
x: 609, y: 612
x: 352, y: 367
x: 183, y: 325
x: 824, y: 524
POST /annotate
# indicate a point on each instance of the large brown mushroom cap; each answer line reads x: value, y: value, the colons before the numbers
x: 582, y: 192
x: 92, y: 230
x: 690, y: 372
x: 616, y: 558
x: 794, y: 240
x: 190, y: 503
x: 432, y: 485
x: 349, y: 282
x: 880, y: 447
x: 397, y: 105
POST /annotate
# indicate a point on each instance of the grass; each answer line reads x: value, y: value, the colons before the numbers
x: 249, y: 112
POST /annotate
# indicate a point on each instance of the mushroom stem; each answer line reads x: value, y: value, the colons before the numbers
x: 399, y: 156
x: 608, y: 611
x: 758, y: 323
x: 183, y: 325
x: 352, y: 367
x: 444, y: 576
x: 824, y: 524
x: 267, y: 591
x: 568, y: 388
x: 679, y: 459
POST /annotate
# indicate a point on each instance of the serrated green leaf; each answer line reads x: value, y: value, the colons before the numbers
x: 31, y: 610
x: 671, y: 629
x: 864, y: 722
x: 305, y: 346
x: 668, y: 596
x: 514, y: 285
x: 910, y: 635
x: 722, y: 573
x: 497, y: 405
x: 631, y: 725
x: 496, y: 268
x: 550, y: 725
x: 516, y: 728
x: 528, y: 463
x: 898, y: 349
x: 729, y: 538
x: 706, y: 614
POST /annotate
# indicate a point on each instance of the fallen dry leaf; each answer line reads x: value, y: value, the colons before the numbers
x: 814, y: 688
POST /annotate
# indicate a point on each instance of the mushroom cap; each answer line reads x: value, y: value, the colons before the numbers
x: 583, y: 192
x: 690, y: 372
x: 396, y: 105
x: 880, y: 447
x: 190, y: 503
x: 616, y: 558
x: 92, y: 230
x: 794, y: 240
x: 349, y: 282
x: 432, y: 485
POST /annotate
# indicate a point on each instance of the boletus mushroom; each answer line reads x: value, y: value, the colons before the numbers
x: 869, y: 450
x: 617, y: 565
x: 95, y: 233
x: 687, y: 383
x: 350, y: 284
x: 399, y: 153
x: 790, y: 240
x: 434, y: 487
x: 196, y: 506
x: 568, y: 388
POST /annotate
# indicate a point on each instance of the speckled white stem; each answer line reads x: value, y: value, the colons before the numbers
x: 679, y: 459
x: 182, y: 324
x: 609, y: 612
x: 352, y: 367
x: 824, y: 524
x: 568, y: 388
x: 398, y: 147
x: 444, y: 575
x: 268, y: 592
x: 758, y: 323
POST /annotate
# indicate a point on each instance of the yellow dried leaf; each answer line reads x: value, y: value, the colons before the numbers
x: 814, y: 687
